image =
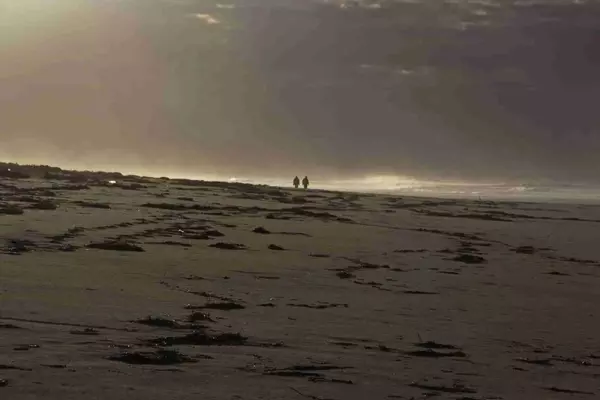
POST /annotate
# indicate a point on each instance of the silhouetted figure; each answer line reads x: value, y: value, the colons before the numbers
x: 296, y: 182
x: 305, y: 182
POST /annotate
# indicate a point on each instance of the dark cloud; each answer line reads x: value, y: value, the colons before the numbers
x: 431, y: 89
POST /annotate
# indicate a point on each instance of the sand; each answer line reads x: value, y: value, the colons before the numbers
x: 157, y: 289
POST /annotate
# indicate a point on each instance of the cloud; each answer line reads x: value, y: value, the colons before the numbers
x: 209, y: 19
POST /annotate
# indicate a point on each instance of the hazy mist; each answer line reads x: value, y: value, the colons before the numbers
x: 471, y: 90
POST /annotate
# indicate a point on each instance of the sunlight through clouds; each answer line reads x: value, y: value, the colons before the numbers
x: 21, y: 14
x: 446, y: 89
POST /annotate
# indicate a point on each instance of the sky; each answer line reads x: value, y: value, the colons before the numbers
x: 458, y: 90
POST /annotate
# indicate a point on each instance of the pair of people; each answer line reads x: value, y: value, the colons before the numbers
x: 305, y: 182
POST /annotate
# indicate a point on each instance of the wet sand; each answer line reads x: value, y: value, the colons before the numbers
x: 171, y: 289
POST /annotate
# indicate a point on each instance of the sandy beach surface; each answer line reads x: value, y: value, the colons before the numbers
x: 170, y: 289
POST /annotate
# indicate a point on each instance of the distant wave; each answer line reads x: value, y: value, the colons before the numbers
x: 424, y: 188
x: 554, y: 192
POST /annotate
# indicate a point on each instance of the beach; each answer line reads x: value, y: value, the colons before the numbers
x: 145, y: 288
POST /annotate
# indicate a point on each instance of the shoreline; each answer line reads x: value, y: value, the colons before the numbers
x: 78, y: 176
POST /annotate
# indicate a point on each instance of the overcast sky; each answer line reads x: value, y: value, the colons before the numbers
x: 481, y: 89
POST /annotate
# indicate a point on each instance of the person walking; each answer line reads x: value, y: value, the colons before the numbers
x: 305, y: 182
x: 296, y: 182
